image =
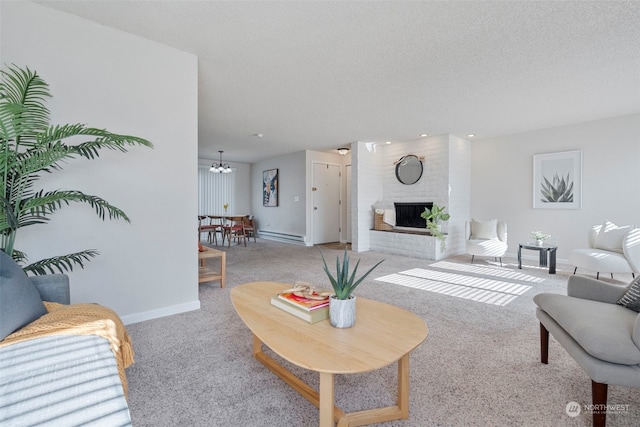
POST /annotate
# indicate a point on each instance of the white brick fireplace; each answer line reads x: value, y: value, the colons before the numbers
x: 445, y: 181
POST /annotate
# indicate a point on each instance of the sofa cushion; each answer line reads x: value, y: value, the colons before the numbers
x: 631, y: 298
x: 484, y: 229
x: 603, y: 330
x: 20, y: 302
x: 610, y: 236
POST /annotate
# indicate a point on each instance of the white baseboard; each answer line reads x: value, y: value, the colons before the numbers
x: 161, y: 312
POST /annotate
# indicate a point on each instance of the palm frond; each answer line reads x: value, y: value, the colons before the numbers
x: 43, y: 157
x: 19, y: 256
x: 8, y: 219
x: 60, y: 264
x: 46, y: 203
x: 25, y: 88
x: 89, y: 149
x: 10, y: 122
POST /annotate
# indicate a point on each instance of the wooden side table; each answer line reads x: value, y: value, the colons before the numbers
x: 207, y: 273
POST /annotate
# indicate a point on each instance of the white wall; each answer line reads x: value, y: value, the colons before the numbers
x: 367, y: 190
x: 459, y: 189
x: 502, y: 180
x: 110, y: 79
x: 289, y: 216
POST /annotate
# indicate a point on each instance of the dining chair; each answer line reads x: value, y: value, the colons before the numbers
x: 217, y: 222
x: 249, y: 226
x: 205, y: 225
x: 235, y: 230
x: 226, y: 228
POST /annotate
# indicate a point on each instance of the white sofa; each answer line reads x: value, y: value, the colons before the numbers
x: 612, y: 249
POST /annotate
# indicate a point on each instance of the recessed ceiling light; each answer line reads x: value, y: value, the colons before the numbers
x: 387, y: 142
x: 424, y: 135
x: 259, y: 135
x: 471, y: 135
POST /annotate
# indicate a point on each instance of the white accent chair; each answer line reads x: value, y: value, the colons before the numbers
x: 486, y: 238
x: 612, y: 249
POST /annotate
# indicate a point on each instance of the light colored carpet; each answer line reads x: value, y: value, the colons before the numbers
x: 479, y: 366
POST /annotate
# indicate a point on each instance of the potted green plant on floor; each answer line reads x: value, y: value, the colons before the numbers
x: 434, y: 216
x: 342, y: 304
x: 30, y: 148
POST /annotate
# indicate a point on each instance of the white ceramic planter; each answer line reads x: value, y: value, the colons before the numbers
x: 342, y: 313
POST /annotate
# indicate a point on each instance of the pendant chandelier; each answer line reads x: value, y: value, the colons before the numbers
x: 220, y: 167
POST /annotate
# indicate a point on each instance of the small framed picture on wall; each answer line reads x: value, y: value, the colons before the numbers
x: 270, y: 188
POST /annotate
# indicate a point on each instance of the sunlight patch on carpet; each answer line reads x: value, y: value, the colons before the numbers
x: 480, y: 289
x: 505, y: 273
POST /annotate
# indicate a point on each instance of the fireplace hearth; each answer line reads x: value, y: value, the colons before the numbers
x: 408, y: 214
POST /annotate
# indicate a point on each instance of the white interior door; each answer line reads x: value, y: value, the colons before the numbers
x: 326, y: 203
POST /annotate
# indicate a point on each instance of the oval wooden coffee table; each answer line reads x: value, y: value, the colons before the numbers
x: 383, y: 334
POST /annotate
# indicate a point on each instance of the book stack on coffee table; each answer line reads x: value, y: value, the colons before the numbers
x: 312, y: 309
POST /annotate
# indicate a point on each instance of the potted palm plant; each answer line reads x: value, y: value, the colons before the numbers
x: 31, y: 147
x: 342, y: 304
x: 434, y: 216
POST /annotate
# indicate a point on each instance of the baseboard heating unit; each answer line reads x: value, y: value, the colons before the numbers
x: 281, y: 237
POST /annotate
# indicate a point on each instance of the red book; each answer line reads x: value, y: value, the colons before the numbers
x: 302, y: 302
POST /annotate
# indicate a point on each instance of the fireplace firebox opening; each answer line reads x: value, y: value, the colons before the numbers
x: 408, y: 214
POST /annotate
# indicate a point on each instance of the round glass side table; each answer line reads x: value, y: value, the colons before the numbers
x: 546, y: 251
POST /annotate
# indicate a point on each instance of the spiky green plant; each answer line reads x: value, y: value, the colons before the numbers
x: 343, y: 284
x: 30, y: 147
x: 559, y: 190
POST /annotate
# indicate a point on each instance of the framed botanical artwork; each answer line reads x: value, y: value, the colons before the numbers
x: 270, y: 187
x: 557, y: 180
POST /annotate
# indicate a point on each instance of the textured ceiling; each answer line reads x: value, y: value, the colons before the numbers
x: 321, y: 74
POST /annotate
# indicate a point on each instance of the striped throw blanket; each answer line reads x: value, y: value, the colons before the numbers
x: 81, y: 319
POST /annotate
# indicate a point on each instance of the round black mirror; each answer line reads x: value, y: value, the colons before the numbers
x: 409, y: 169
